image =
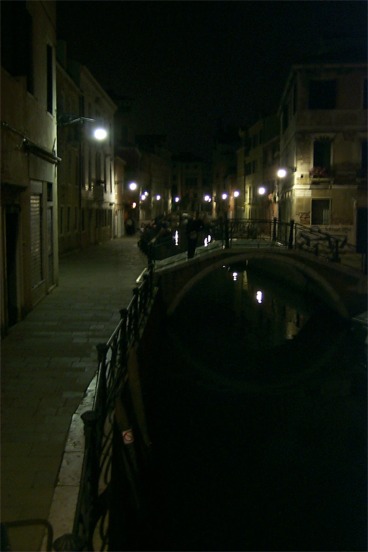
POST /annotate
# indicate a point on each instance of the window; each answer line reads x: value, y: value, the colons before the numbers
x: 322, y: 154
x: 320, y: 211
x: 322, y: 94
x: 16, y: 40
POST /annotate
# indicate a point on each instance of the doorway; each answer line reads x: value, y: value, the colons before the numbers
x: 11, y: 283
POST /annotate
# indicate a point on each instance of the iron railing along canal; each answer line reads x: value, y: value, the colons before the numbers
x: 116, y: 447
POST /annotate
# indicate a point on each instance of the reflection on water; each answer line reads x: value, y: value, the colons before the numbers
x: 236, y: 320
x: 257, y: 415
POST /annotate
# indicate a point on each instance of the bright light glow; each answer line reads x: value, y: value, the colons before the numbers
x: 133, y: 186
x: 207, y: 241
x: 281, y: 173
x: 261, y: 190
x: 224, y: 196
x: 176, y: 238
x: 146, y: 193
x: 259, y: 296
x: 158, y: 197
x: 143, y: 197
x: 134, y: 205
x: 235, y: 276
x: 177, y: 199
x: 100, y: 133
x: 236, y: 193
x: 207, y: 198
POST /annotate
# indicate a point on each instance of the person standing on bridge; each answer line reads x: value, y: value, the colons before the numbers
x: 194, y: 226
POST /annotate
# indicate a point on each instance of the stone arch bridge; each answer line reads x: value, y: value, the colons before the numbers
x: 342, y: 288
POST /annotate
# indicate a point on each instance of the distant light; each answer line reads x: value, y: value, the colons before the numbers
x: 143, y: 197
x: 133, y: 186
x: 207, y: 198
x: 176, y: 237
x: 235, y: 276
x: 261, y: 190
x: 259, y: 296
x: 134, y: 205
x: 177, y: 199
x: 100, y: 133
x: 224, y: 196
x: 281, y: 173
x: 158, y: 197
x: 236, y: 193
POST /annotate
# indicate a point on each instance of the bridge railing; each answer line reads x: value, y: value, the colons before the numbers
x: 231, y: 232
x: 115, y: 446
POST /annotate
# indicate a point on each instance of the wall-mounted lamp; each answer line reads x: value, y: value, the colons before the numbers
x: 283, y: 171
x: 99, y: 132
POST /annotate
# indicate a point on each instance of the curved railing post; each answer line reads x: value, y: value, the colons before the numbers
x: 136, y: 313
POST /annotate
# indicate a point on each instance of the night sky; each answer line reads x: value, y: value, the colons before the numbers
x: 189, y: 64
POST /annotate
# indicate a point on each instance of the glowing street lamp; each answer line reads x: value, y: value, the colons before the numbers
x: 100, y: 134
x: 133, y: 186
x: 262, y: 190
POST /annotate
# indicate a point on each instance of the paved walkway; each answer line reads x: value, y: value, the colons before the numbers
x: 47, y: 362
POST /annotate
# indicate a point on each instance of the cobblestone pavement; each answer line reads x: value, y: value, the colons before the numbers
x: 47, y: 363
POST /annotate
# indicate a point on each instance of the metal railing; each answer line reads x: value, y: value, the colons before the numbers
x: 115, y: 446
x: 256, y: 232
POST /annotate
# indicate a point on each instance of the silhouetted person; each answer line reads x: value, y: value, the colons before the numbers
x: 193, y: 228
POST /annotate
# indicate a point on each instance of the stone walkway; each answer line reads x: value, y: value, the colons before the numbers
x: 47, y: 362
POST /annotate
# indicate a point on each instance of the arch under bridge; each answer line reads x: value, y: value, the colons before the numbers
x: 341, y: 287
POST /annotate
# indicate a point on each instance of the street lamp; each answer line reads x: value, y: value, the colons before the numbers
x: 99, y: 134
x: 284, y: 171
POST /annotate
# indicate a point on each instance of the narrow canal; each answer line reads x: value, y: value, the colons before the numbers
x: 257, y: 414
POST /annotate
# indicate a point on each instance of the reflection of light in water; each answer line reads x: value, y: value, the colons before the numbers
x: 259, y: 296
x: 235, y: 276
x: 176, y: 238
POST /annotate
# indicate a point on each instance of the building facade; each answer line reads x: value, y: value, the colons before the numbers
x: 29, y: 244
x: 257, y: 164
x: 88, y: 208
x: 323, y: 147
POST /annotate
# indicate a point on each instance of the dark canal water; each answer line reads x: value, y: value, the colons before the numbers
x: 257, y: 415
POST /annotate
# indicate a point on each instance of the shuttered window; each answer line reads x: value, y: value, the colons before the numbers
x: 36, y: 240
